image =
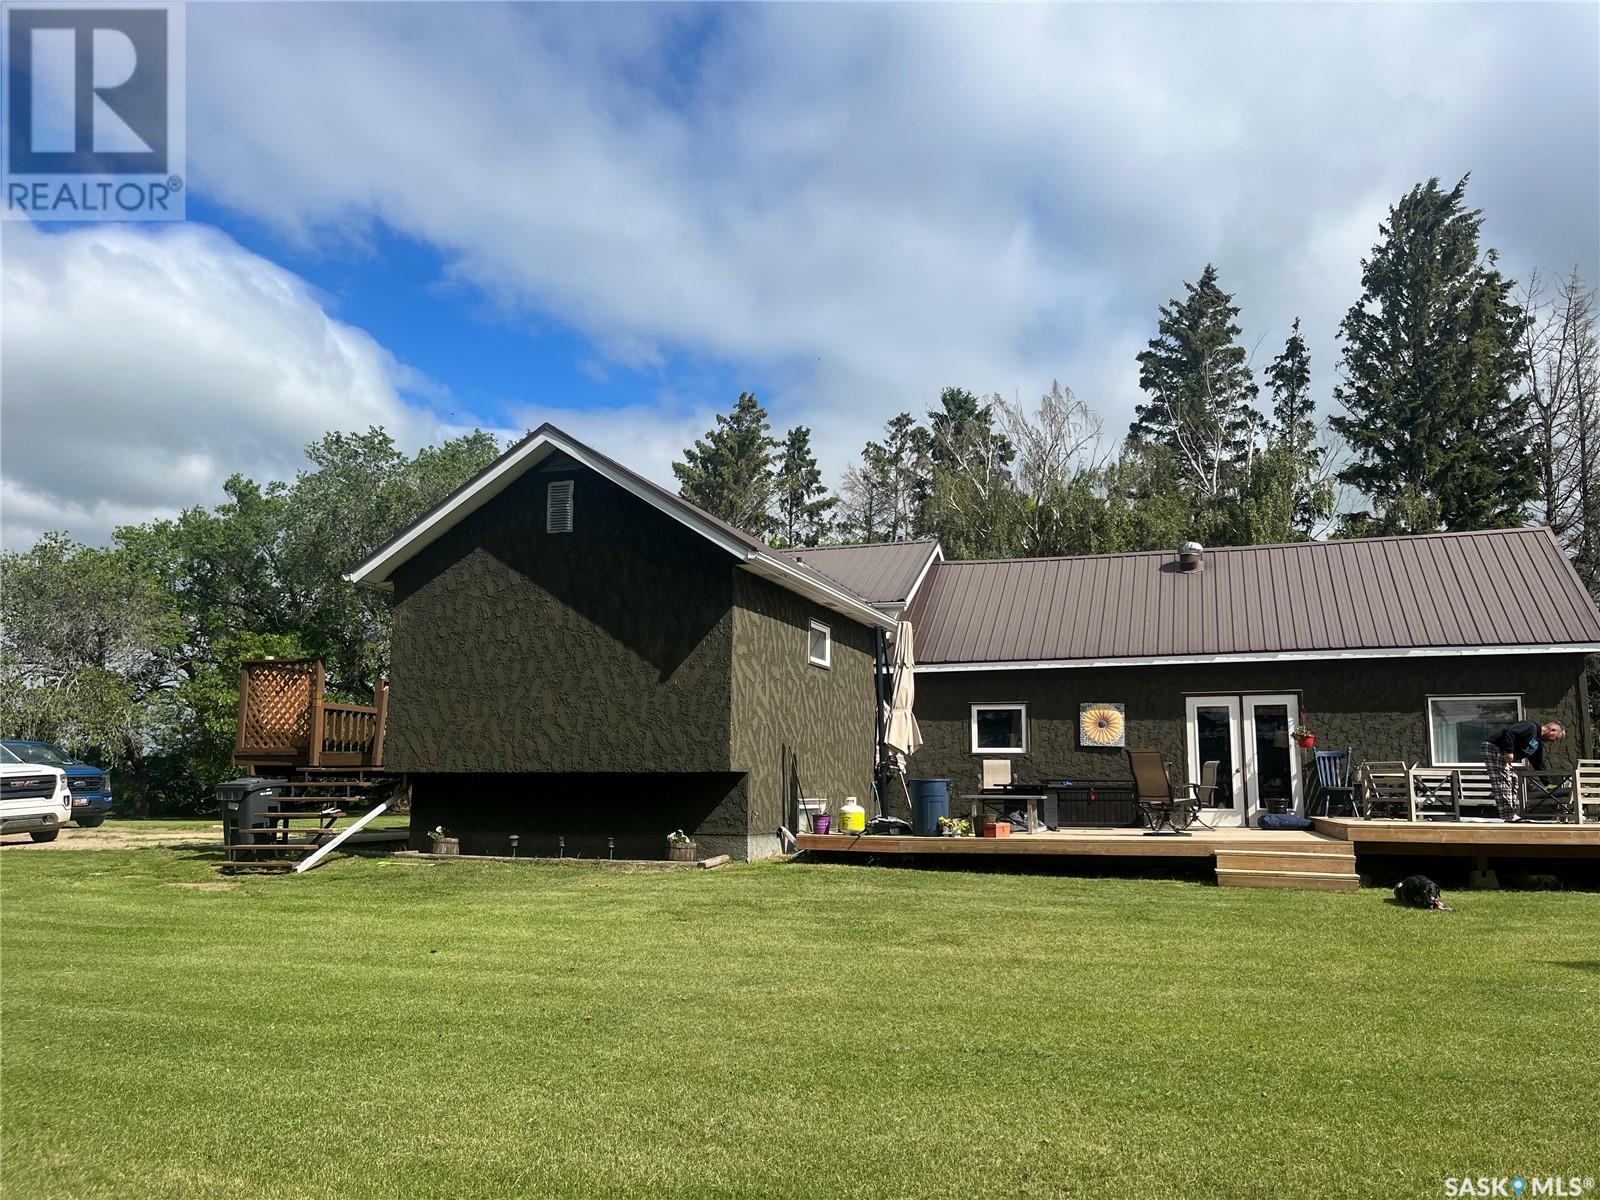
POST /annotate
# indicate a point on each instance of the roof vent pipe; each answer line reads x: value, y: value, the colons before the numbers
x: 1192, y: 556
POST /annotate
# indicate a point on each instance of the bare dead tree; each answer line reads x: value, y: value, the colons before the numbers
x: 1562, y: 363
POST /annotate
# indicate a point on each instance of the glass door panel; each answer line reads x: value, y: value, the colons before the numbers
x: 1214, y: 734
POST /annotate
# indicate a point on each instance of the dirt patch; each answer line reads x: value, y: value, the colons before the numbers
x: 213, y: 886
x: 117, y: 835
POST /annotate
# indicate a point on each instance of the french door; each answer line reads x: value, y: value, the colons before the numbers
x: 1248, y: 737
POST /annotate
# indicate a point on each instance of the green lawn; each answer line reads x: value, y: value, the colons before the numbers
x: 384, y: 1028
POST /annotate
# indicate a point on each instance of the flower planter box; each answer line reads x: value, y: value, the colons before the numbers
x: 448, y: 845
x: 996, y: 829
x: 682, y: 852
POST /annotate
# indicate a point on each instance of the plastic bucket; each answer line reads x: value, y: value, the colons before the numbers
x: 821, y: 823
x: 930, y: 800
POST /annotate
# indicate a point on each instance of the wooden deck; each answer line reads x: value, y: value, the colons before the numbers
x: 287, y: 724
x: 1528, y: 839
x: 1324, y: 859
x: 1089, y: 842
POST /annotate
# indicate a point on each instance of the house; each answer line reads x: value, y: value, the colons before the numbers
x: 584, y: 660
x: 1398, y: 648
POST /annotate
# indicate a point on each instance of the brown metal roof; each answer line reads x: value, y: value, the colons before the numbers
x: 1509, y: 587
x: 883, y: 572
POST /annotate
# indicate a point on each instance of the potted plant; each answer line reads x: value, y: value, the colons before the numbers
x: 1304, y: 737
x: 955, y: 827
x: 681, y: 847
x: 443, y: 842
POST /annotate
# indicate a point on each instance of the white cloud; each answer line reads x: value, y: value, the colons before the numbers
x: 143, y: 365
x: 859, y: 205
x: 849, y: 206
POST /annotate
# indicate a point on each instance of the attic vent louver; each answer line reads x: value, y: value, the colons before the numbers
x: 558, y: 507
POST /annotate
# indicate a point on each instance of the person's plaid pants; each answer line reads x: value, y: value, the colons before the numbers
x: 1502, y: 784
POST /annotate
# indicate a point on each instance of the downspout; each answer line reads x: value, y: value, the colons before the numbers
x: 1585, y: 720
x: 880, y: 671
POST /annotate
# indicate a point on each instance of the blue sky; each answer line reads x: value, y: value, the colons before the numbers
x: 617, y: 217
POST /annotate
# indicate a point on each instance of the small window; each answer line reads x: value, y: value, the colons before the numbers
x: 819, y: 645
x: 558, y: 507
x: 1459, y: 725
x: 999, y: 728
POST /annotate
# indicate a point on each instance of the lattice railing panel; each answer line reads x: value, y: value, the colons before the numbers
x: 277, y: 709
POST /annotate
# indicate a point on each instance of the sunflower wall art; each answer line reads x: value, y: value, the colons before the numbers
x: 1102, y: 725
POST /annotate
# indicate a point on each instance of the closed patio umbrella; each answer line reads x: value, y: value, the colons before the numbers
x: 900, y: 732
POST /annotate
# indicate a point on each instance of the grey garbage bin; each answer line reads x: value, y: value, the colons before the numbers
x: 245, y: 803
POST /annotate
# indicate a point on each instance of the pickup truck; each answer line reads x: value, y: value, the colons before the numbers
x: 90, y: 785
x: 34, y: 799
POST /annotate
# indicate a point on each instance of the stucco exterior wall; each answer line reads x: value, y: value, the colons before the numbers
x: 607, y: 649
x: 793, y: 720
x: 1375, y: 708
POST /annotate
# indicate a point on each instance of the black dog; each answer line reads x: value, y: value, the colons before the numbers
x: 1418, y: 891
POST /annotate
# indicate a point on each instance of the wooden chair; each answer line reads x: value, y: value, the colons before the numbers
x: 1334, y: 785
x: 1586, y: 790
x: 1153, y: 796
x: 1476, y: 791
x: 1430, y: 789
x: 1383, y: 790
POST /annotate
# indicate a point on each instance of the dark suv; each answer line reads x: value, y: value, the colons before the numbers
x: 91, y: 787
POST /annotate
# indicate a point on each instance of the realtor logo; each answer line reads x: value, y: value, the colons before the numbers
x: 94, y: 112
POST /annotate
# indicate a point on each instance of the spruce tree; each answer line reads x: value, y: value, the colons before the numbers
x: 1292, y: 437
x: 803, y: 504
x: 1201, y: 388
x: 729, y: 472
x: 963, y: 426
x: 1438, y: 435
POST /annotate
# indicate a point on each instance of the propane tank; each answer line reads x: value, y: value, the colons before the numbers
x: 852, y: 817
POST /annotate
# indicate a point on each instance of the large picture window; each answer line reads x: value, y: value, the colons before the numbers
x: 999, y: 728
x: 1459, y: 725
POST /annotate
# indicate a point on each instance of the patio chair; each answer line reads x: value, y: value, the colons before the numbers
x: 1586, y: 790
x: 1153, y: 796
x: 1383, y: 789
x: 1202, y: 795
x: 996, y: 773
x: 1334, y: 785
x: 1433, y: 789
x: 1549, y: 795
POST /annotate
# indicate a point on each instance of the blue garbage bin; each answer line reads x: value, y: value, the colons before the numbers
x: 930, y: 800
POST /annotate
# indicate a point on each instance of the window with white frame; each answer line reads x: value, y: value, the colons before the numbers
x: 819, y: 645
x: 558, y: 507
x: 1459, y: 725
x: 999, y: 728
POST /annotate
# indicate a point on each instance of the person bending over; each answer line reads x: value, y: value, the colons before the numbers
x: 1519, y: 740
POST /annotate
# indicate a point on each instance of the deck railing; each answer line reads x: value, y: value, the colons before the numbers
x: 285, y: 720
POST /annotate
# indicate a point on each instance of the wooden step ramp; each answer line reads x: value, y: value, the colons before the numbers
x: 1329, y: 867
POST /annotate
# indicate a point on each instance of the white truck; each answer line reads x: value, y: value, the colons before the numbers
x: 34, y: 799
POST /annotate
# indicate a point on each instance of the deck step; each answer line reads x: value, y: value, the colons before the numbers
x: 1321, y: 862
x: 1316, y: 881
